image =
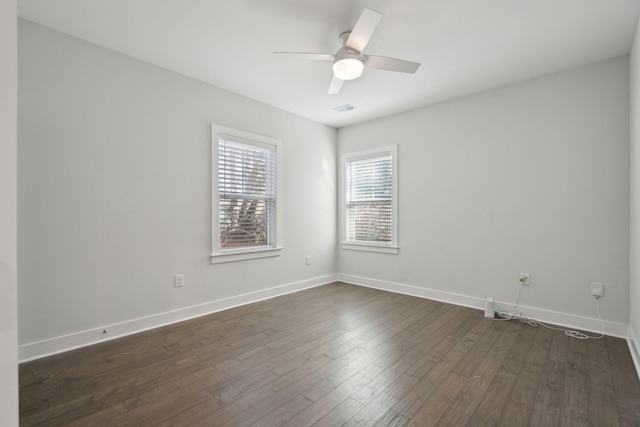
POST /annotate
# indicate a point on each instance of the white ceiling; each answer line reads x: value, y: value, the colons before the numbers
x: 465, y: 46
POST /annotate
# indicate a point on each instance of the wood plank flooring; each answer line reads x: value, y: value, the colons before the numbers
x: 337, y: 355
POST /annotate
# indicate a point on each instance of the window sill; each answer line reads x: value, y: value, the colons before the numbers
x: 369, y: 247
x: 244, y: 254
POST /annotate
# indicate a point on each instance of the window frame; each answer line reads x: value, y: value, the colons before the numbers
x: 346, y: 158
x: 218, y: 254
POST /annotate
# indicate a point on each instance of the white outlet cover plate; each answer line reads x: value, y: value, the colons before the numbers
x: 597, y: 289
x: 179, y: 280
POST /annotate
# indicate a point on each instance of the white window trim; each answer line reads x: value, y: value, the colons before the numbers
x: 391, y: 248
x: 218, y: 255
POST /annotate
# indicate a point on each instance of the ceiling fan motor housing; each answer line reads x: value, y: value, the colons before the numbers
x: 348, y: 64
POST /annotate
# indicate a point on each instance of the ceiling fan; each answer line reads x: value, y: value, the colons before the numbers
x: 348, y: 61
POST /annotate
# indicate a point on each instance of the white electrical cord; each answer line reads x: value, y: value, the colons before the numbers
x: 502, y: 315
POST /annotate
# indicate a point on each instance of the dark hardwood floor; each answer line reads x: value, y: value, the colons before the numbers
x: 337, y: 355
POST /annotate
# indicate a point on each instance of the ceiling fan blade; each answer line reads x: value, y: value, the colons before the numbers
x: 390, y: 64
x: 304, y: 55
x: 363, y: 30
x: 335, y: 85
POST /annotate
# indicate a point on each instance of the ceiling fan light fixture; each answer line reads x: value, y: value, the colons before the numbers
x: 348, y: 67
x: 349, y: 62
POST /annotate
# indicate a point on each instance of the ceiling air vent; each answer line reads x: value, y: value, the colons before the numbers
x: 343, y: 108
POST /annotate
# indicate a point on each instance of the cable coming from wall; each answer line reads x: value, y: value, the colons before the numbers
x: 503, y: 315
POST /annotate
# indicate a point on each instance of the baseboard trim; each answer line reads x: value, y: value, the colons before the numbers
x: 632, y: 341
x: 416, y: 291
x: 547, y: 316
x: 51, y: 346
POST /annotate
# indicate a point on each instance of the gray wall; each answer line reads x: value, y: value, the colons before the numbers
x: 114, y: 165
x: 634, y: 300
x: 532, y: 178
x: 8, y: 209
x: 114, y: 189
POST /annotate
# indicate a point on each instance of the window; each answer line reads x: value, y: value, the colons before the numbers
x: 246, y: 200
x: 369, y: 200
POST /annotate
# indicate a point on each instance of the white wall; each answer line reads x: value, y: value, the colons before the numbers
x: 114, y: 181
x: 8, y: 208
x: 114, y: 192
x: 634, y: 300
x: 532, y: 178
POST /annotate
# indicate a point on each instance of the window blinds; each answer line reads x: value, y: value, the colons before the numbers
x: 369, y: 200
x: 247, y: 193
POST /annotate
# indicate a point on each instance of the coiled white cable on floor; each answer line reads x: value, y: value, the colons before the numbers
x: 502, y: 315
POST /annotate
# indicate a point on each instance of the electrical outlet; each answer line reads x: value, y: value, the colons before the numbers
x: 597, y: 289
x: 179, y: 281
x: 525, y: 278
x: 307, y: 260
